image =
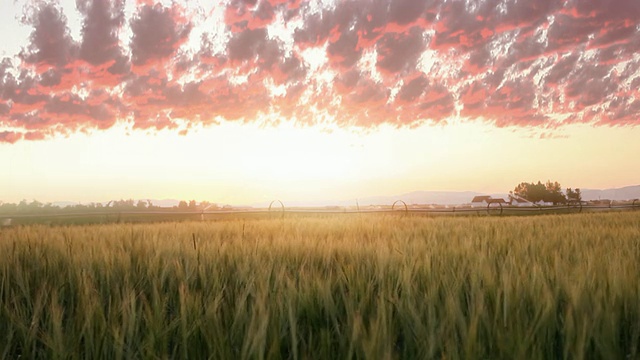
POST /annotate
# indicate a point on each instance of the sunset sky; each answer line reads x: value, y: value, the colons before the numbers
x: 248, y: 101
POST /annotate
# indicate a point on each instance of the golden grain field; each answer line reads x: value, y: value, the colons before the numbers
x: 325, y: 287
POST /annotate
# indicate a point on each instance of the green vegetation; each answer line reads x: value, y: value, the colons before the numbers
x: 549, y: 192
x: 340, y: 286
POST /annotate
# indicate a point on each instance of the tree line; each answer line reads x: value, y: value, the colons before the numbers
x: 37, y: 207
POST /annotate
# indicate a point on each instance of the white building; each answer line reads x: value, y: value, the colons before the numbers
x: 484, y: 200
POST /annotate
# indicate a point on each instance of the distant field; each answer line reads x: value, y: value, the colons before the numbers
x: 326, y: 286
x: 111, y: 215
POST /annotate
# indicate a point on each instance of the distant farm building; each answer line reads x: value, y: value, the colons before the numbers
x: 516, y: 200
x: 520, y: 202
x: 484, y: 200
x: 479, y: 200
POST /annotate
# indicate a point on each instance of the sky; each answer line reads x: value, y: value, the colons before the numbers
x: 245, y: 101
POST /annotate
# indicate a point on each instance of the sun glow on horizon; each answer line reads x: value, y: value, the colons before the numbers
x: 245, y: 163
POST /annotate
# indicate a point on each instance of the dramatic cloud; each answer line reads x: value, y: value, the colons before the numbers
x: 533, y: 63
x: 157, y: 33
x: 103, y: 20
x: 51, y: 44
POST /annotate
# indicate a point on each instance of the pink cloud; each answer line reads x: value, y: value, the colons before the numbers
x: 51, y: 45
x: 157, y: 33
x: 103, y: 21
x: 10, y: 137
x: 402, y: 62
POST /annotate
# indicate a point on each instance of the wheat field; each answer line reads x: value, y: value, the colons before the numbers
x: 325, y: 287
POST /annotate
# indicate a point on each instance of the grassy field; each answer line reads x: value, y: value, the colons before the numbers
x: 333, y: 286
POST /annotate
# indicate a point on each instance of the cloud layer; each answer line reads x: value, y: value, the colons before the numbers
x: 539, y: 63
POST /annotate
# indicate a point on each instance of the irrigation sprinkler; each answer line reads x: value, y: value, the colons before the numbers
x: 205, y: 209
x: 281, y: 206
x: 406, y: 209
x: 106, y: 215
x: 575, y: 206
x: 489, y: 208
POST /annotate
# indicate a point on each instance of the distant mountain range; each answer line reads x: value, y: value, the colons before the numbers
x: 459, y: 197
x: 418, y: 197
x: 623, y: 193
x: 421, y: 197
x: 465, y: 197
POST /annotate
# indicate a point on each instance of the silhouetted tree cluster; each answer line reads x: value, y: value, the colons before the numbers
x: 550, y: 192
x: 574, y: 195
x: 189, y: 206
x: 36, y: 207
x: 24, y: 207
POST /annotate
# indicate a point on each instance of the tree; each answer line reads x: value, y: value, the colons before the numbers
x: 534, y: 192
x: 531, y: 191
x: 574, y: 195
x: 554, y: 193
x: 124, y: 204
x: 183, y: 205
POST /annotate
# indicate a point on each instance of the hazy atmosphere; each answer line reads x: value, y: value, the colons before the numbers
x: 247, y: 101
